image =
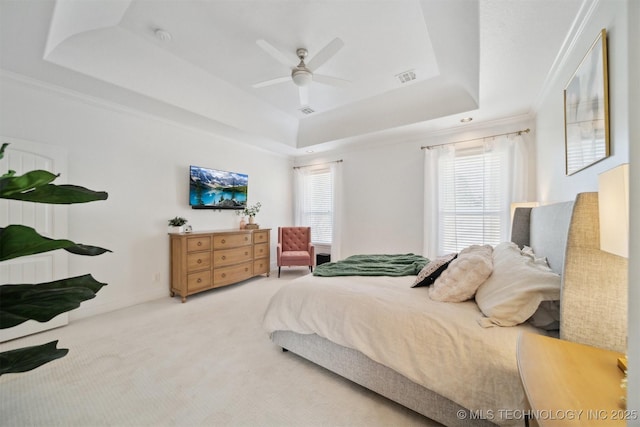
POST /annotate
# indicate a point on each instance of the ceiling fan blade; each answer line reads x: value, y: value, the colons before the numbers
x: 332, y: 81
x: 304, y: 95
x: 284, y: 59
x: 325, y: 53
x: 272, y: 82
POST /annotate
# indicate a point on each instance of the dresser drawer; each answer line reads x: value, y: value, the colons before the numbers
x: 232, y: 256
x: 261, y: 266
x: 226, y: 275
x: 261, y: 236
x: 200, y: 243
x: 198, y: 281
x: 261, y: 250
x: 198, y: 261
x: 231, y: 240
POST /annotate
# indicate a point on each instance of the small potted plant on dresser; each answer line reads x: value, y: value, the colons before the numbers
x: 251, y: 212
x: 177, y: 224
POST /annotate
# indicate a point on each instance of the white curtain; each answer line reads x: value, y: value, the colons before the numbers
x: 299, y: 190
x: 499, y: 180
x: 338, y: 211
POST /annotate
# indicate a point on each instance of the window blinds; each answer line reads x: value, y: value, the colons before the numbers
x: 318, y: 205
x: 470, y: 198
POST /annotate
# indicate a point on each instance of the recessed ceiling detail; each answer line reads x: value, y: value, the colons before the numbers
x: 203, y: 77
x: 206, y: 59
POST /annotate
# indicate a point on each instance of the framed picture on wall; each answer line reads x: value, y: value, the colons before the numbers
x: 586, y: 109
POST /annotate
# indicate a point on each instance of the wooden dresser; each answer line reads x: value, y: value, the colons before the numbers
x: 209, y: 259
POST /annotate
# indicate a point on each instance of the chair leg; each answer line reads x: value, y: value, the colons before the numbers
x: 311, y: 268
x: 279, y: 271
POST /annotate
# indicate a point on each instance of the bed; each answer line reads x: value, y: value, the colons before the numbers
x: 450, y: 361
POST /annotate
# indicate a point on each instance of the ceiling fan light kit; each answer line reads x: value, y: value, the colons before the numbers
x: 301, y: 77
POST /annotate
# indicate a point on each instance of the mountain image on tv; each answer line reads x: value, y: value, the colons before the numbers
x: 212, y: 188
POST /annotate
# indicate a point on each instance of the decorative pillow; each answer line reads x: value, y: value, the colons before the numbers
x: 433, y: 270
x: 461, y: 279
x: 516, y: 287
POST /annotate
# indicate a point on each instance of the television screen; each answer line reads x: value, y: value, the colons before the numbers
x: 216, y: 189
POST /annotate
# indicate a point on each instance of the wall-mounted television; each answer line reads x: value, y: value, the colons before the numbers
x: 217, y: 189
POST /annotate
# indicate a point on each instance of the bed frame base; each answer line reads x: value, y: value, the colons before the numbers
x: 357, y: 367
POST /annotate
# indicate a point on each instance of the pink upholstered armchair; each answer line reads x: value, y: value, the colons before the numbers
x: 295, y: 247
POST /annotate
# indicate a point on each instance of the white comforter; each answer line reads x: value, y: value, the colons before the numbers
x: 436, y: 344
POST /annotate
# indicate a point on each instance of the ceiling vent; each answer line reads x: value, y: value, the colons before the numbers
x: 406, y: 76
x: 307, y: 110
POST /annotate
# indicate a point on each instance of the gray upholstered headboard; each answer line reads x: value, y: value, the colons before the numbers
x: 545, y: 230
x: 593, y: 302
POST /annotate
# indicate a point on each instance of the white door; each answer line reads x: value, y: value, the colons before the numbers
x: 49, y: 220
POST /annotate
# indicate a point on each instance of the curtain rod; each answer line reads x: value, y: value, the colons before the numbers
x: 519, y: 132
x: 317, y: 164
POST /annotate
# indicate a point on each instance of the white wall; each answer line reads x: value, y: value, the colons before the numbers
x: 553, y: 184
x: 143, y: 164
x: 620, y: 18
x: 633, y: 18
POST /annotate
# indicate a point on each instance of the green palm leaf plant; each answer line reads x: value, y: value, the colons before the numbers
x: 41, y: 301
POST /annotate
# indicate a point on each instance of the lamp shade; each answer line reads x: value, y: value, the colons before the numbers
x: 613, y: 203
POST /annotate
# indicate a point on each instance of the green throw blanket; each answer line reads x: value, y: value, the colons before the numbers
x: 373, y: 265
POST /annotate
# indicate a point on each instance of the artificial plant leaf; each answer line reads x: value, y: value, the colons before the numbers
x: 28, y: 358
x: 24, y: 183
x: 79, y: 249
x: 2, y: 148
x: 44, y: 301
x: 20, y: 240
x: 35, y: 186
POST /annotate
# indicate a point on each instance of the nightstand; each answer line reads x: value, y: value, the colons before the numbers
x: 571, y: 384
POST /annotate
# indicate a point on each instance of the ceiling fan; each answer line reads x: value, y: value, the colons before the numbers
x: 302, y: 74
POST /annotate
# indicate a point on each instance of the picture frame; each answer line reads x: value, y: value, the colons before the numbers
x: 586, y: 110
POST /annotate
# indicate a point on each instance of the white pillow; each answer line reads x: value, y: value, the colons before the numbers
x: 515, y: 289
x: 461, y: 279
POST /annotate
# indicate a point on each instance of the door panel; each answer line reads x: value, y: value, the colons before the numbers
x: 48, y: 220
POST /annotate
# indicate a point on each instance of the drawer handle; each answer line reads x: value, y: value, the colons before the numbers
x: 199, y: 261
x: 199, y: 243
x: 224, y: 274
x: 199, y: 280
x: 224, y: 257
x: 223, y: 241
x: 246, y: 269
x: 246, y: 253
x: 246, y: 238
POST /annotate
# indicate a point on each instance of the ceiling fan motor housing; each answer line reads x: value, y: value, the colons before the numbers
x: 301, y: 75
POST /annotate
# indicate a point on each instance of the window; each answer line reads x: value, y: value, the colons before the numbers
x: 470, y: 189
x: 317, y: 204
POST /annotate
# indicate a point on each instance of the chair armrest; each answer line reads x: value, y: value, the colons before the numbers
x: 312, y: 253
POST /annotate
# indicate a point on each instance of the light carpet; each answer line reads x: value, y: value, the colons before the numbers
x: 207, y: 362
